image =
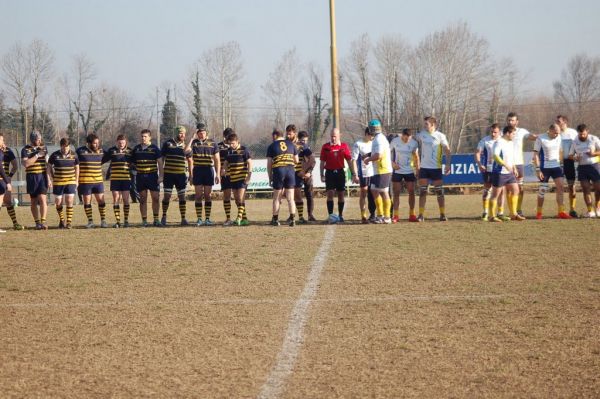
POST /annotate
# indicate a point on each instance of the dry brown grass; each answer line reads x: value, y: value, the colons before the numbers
x: 404, y: 310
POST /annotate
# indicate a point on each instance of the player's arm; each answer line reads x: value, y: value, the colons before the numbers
x: 27, y: 162
x: 536, y: 161
x: 310, y: 165
x: 50, y: 173
x: 448, y: 154
x: 572, y: 151
x: 416, y: 160
x: 190, y: 165
x: 217, y: 163
x: 77, y: 174
x: 322, y: 167
x: 14, y: 166
x: 249, y: 163
x: 2, y: 171
x: 477, y: 155
x: 270, y: 170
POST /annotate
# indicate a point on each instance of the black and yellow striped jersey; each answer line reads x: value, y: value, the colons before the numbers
x: 39, y: 167
x: 9, y: 156
x: 145, y: 158
x: 237, y: 163
x: 282, y: 153
x: 63, y: 166
x: 303, y: 152
x: 90, y: 165
x: 175, y: 157
x: 203, y: 152
x: 223, y: 148
x: 120, y: 163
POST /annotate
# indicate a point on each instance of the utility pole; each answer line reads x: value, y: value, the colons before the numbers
x: 335, y: 88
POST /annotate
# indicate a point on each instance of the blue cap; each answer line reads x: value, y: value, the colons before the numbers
x: 375, y: 126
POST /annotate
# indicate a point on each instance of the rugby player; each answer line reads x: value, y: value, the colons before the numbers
x: 360, y: 150
x: 512, y: 119
x: 63, y: 175
x: 5, y: 180
x: 146, y: 158
x: 174, y: 157
x: 308, y: 165
x: 205, y: 157
x: 547, y: 154
x: 10, y: 166
x: 282, y: 158
x: 405, y: 161
x: 504, y: 175
x: 382, y: 172
x: 331, y: 165
x: 567, y: 135
x: 305, y: 157
x: 239, y: 171
x: 33, y: 158
x: 431, y: 145
x: 484, y: 157
x: 120, y: 160
x: 90, y: 158
x: 585, y: 150
x: 223, y: 147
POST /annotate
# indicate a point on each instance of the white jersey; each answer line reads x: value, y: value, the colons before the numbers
x: 567, y: 138
x: 360, y: 150
x: 518, y: 138
x: 486, y: 151
x: 381, y: 146
x: 431, y: 146
x: 583, y: 149
x: 548, y: 150
x: 505, y: 150
x: 402, y: 154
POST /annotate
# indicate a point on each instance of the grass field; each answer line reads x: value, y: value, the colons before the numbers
x: 457, y: 309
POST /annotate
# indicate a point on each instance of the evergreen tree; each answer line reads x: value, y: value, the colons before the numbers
x: 169, y: 117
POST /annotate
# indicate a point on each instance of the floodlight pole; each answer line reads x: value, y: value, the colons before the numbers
x: 335, y: 86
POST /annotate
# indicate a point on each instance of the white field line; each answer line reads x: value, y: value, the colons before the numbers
x: 251, y: 302
x: 294, y: 336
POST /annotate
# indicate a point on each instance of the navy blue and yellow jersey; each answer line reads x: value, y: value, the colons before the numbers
x: 223, y: 148
x: 146, y: 159
x: 3, y: 174
x: 203, y: 152
x: 90, y: 165
x: 9, y: 156
x: 64, y: 168
x: 303, y: 151
x: 175, y: 156
x: 237, y: 163
x: 120, y: 163
x: 282, y: 152
x: 39, y: 167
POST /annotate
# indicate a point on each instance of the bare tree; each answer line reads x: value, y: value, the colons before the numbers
x: 223, y: 78
x: 40, y: 59
x: 15, y: 71
x: 357, y: 72
x: 579, y: 84
x: 281, y: 86
x: 84, y: 73
x: 316, y: 123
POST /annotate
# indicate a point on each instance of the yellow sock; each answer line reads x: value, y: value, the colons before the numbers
x: 421, y: 211
x: 486, y: 205
x: 379, y: 206
x: 561, y: 208
x: 363, y: 214
x: 539, y: 209
x: 412, y: 212
x: 387, y: 205
x: 519, y: 201
x: 493, y: 207
x: 500, y: 210
x: 572, y: 202
x: 442, y: 210
x: 511, y: 203
x: 590, y: 208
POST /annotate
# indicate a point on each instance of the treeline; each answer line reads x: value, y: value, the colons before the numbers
x: 450, y: 74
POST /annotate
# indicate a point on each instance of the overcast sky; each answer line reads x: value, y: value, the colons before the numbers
x: 137, y: 45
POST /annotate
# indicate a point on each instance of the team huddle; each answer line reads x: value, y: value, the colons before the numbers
x: 412, y: 161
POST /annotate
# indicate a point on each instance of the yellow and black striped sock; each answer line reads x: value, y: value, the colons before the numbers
x: 117, y: 211
x: 37, y: 221
x: 241, y: 209
x: 155, y: 216
x: 88, y: 212
x: 11, y: 212
x: 61, y: 214
x: 198, y: 205
x: 244, y: 215
x: 227, y: 207
x: 182, y: 209
x: 69, y: 214
x: 126, y: 212
x: 102, y: 209
x: 165, y: 207
x: 207, y: 208
x: 43, y: 220
x: 300, y: 209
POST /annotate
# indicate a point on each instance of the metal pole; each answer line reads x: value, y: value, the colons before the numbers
x: 157, y: 120
x: 335, y: 88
